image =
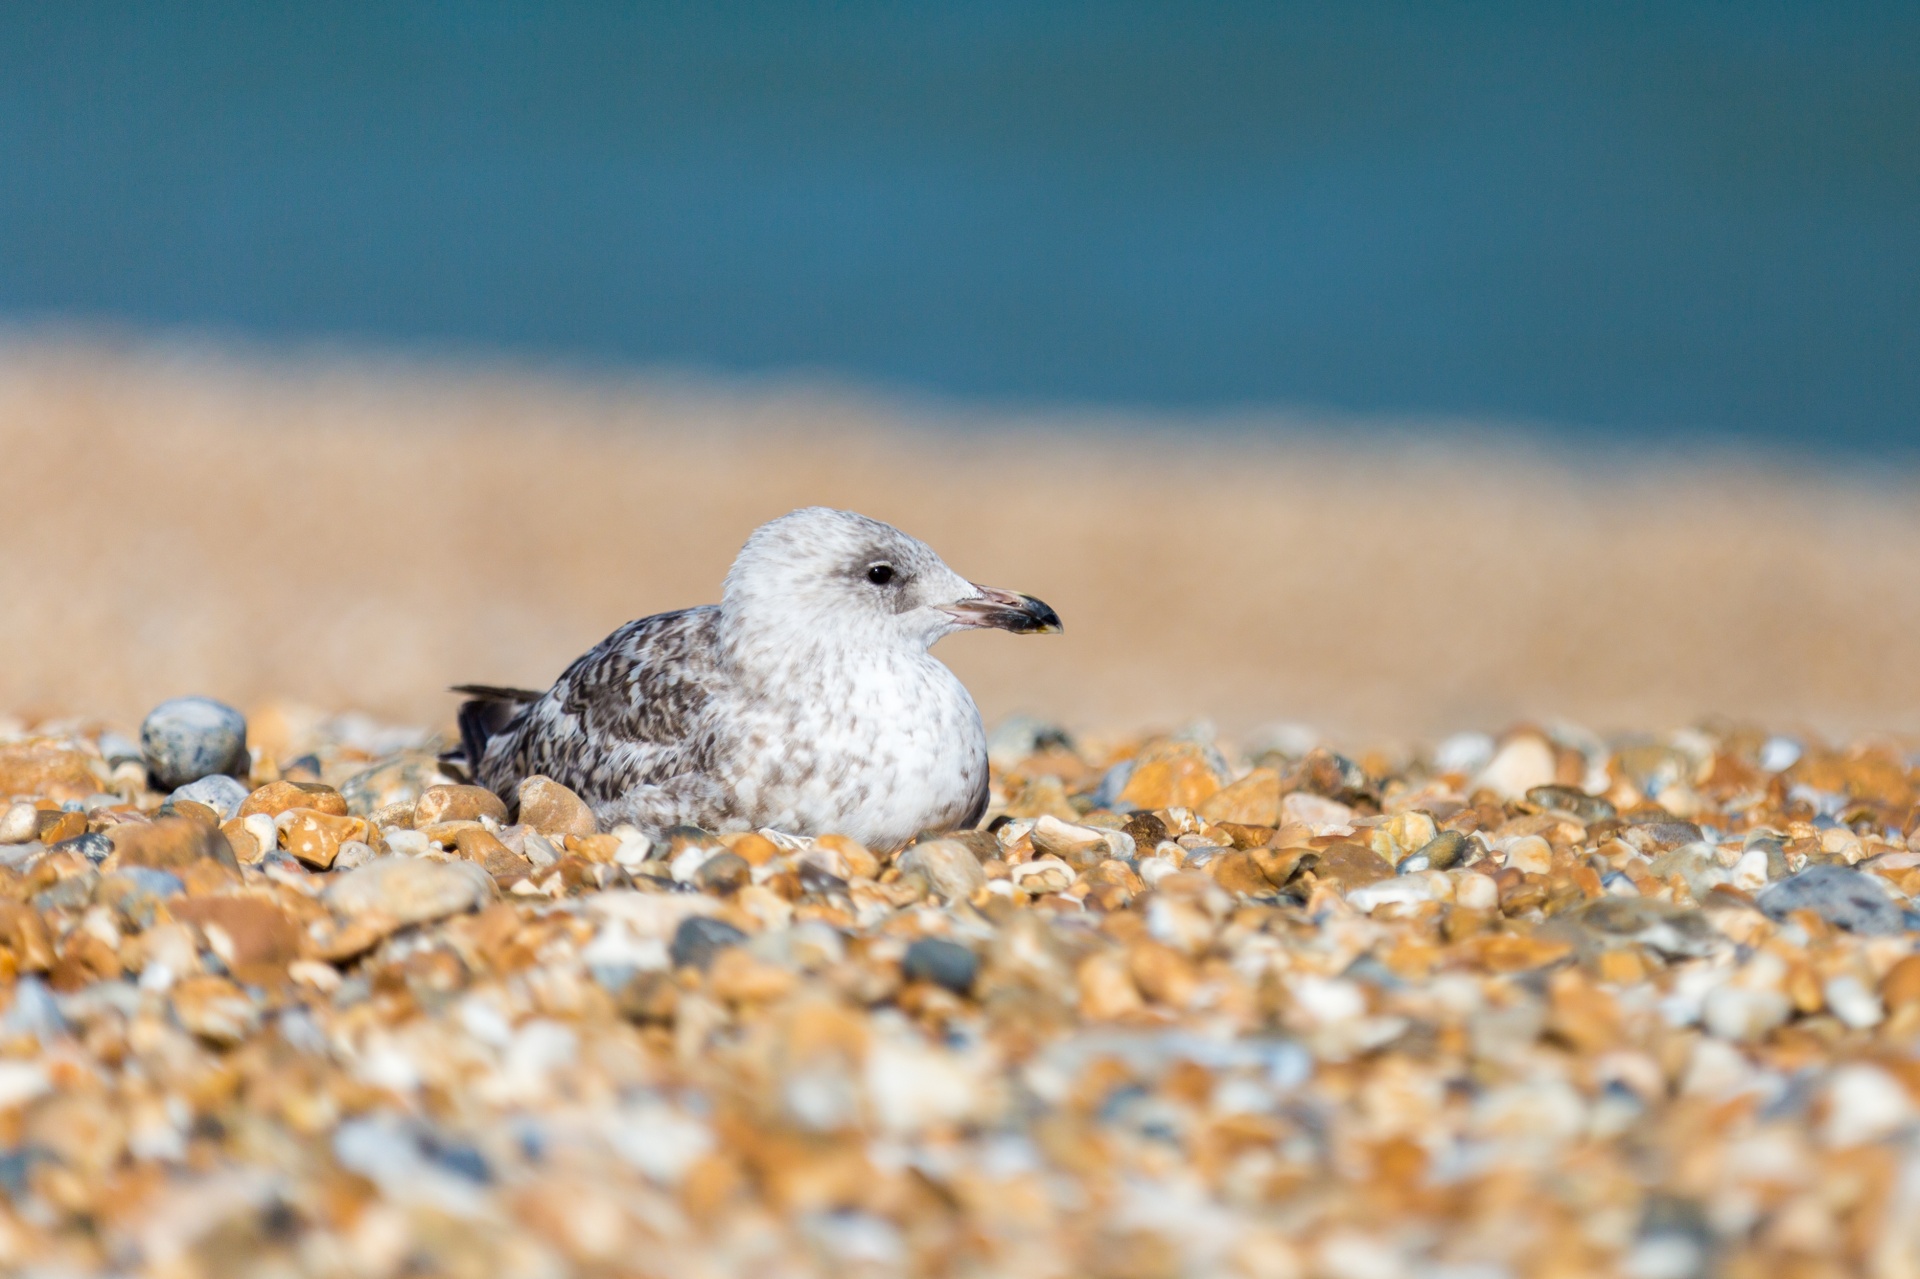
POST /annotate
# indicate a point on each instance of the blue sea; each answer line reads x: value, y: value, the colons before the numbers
x: 1634, y: 224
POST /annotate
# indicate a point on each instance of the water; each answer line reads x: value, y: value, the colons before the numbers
x: 1620, y: 222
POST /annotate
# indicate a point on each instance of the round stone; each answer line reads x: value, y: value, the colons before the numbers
x: 1842, y: 896
x: 699, y: 938
x: 219, y: 792
x: 942, y: 962
x: 193, y: 737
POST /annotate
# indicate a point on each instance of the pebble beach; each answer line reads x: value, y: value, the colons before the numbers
x: 1576, y: 936
x: 1530, y: 1003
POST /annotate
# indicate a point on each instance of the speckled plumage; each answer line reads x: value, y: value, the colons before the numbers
x: 806, y: 701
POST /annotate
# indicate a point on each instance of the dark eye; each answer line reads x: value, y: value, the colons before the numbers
x: 880, y: 574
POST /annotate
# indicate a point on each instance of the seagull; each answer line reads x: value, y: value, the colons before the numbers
x: 805, y: 702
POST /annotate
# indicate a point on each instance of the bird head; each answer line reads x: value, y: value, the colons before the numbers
x: 819, y: 574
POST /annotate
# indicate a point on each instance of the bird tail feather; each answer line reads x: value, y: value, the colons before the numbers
x: 485, y: 714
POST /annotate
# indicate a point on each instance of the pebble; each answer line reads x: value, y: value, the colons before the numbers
x: 1353, y: 865
x: 1530, y: 854
x: 1077, y: 845
x: 47, y: 768
x: 1522, y: 763
x: 439, y: 804
x: 700, y: 938
x: 1695, y: 864
x: 283, y: 796
x: 1253, y: 800
x: 19, y: 824
x: 409, y: 890
x: 1406, y: 890
x: 1845, y: 898
x: 1173, y: 774
x: 724, y: 872
x: 950, y: 868
x: 1864, y: 1104
x: 1574, y: 802
x: 941, y: 962
x: 1443, y: 852
x: 1475, y: 891
x: 171, y: 843
x: 214, y: 1009
x: 188, y: 738
x: 1743, y: 1015
x: 315, y: 838
x: 219, y: 792
x: 553, y: 810
x: 1853, y: 1002
x: 1464, y: 753
x: 1317, y: 813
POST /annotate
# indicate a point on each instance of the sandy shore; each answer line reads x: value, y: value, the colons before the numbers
x: 357, y: 534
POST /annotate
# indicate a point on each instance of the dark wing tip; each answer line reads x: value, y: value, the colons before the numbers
x: 487, y: 713
x: 496, y: 693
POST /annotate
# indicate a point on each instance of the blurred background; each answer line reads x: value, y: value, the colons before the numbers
x: 1391, y: 368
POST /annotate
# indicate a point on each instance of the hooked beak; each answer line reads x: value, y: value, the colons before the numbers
x: 1021, y: 614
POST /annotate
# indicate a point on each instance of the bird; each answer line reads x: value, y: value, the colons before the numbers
x: 806, y: 702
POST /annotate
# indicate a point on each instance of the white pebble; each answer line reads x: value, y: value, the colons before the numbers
x: 1531, y: 854
x: 1853, y: 1003
x: 1463, y: 753
x: 659, y: 1140
x: 1864, y: 1104
x: 1741, y: 1015
x: 408, y: 843
x: 1779, y: 754
x: 1474, y: 891
x: 19, y: 824
x: 1328, y: 1000
x: 1319, y: 814
x: 1523, y: 763
x: 265, y: 833
x: 1750, y: 872
x: 21, y: 1082
x: 633, y: 849
x: 1405, y: 890
x: 1154, y: 869
x: 689, y: 860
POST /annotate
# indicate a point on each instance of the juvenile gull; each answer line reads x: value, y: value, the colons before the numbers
x: 806, y: 700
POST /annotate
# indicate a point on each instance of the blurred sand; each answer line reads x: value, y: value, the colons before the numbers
x: 355, y: 533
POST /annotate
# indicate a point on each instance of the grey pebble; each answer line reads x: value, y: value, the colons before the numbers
x: 1672, y: 932
x: 116, y: 749
x: 1844, y: 897
x: 1112, y: 783
x: 699, y: 938
x: 941, y: 962
x: 34, y: 1012
x: 189, y: 738
x: 221, y: 793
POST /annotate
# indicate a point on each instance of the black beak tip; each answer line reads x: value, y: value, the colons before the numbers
x: 1038, y: 618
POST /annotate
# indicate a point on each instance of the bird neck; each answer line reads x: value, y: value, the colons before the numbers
x: 777, y: 658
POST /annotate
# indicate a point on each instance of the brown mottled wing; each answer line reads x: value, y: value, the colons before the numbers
x: 631, y: 712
